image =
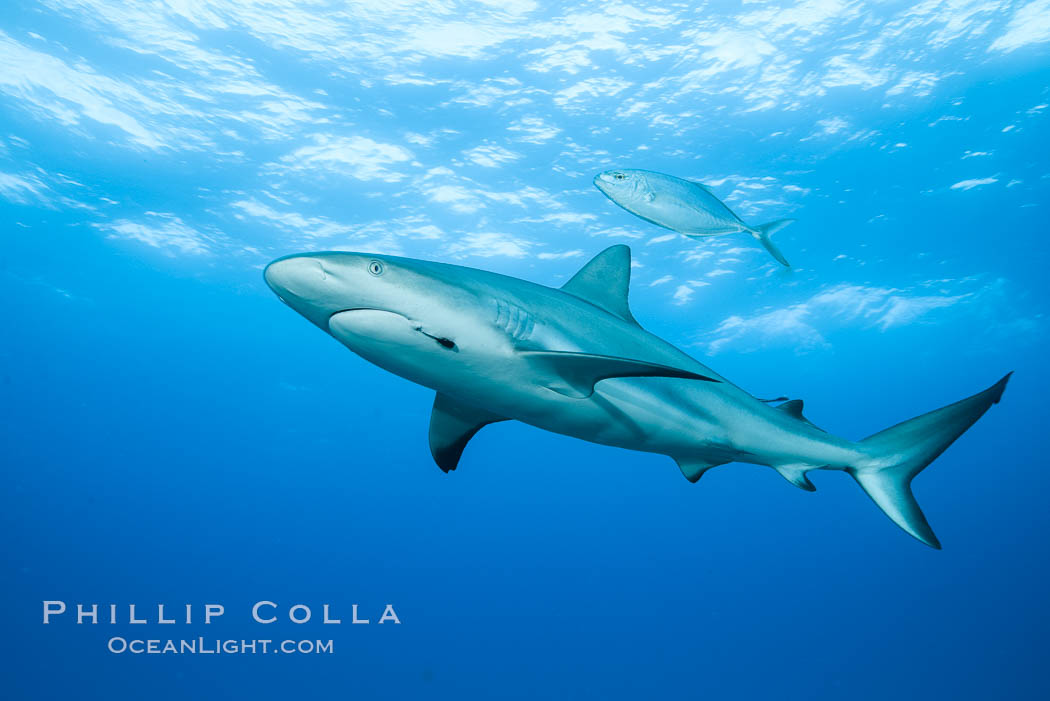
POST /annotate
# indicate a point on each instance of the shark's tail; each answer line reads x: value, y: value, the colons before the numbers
x: 764, y: 231
x: 901, y: 452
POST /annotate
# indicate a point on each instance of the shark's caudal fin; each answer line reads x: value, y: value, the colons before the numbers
x: 762, y: 234
x: 901, y: 452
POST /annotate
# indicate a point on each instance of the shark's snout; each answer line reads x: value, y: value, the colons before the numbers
x: 294, y: 276
x: 307, y: 286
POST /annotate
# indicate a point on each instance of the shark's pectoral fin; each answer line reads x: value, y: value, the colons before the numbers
x: 693, y: 470
x: 794, y: 408
x: 452, y: 425
x: 796, y: 475
x: 574, y: 374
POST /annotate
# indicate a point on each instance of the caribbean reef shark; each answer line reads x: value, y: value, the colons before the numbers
x: 681, y: 205
x: 574, y: 361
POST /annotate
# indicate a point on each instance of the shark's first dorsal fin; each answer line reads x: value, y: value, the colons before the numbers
x: 794, y: 408
x: 452, y: 425
x: 604, y: 281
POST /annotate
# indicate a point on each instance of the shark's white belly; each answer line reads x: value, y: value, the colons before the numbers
x: 658, y: 415
x: 491, y: 369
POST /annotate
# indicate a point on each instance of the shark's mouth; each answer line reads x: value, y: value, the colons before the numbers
x: 380, y: 325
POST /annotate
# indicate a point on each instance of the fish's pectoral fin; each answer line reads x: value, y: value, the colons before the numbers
x: 693, y: 470
x: 793, y: 407
x: 452, y: 425
x: 796, y: 475
x: 575, y: 374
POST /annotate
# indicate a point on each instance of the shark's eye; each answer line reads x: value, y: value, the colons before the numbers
x: 375, y: 267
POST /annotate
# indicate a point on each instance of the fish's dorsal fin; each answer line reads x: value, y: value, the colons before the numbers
x: 793, y: 407
x: 452, y: 425
x: 604, y: 282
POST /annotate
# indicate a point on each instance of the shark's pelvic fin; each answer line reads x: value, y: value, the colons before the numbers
x: 452, y: 425
x: 695, y: 469
x: 604, y: 282
x: 796, y: 475
x: 901, y: 452
x: 762, y: 234
x: 574, y: 374
x: 794, y: 408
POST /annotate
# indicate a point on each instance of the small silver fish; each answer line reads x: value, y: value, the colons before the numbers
x: 681, y: 205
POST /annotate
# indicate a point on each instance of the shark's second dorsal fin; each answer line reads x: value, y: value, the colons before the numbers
x: 794, y: 408
x: 604, y: 281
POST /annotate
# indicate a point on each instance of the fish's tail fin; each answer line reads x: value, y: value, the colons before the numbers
x: 901, y: 452
x: 764, y: 231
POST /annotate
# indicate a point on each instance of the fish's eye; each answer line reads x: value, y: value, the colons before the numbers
x: 619, y: 176
x: 375, y: 267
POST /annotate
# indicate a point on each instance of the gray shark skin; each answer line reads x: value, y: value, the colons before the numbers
x: 574, y: 361
x: 681, y: 205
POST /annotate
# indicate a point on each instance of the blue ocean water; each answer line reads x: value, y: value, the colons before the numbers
x: 172, y: 434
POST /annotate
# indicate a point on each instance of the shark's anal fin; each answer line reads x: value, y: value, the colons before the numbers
x: 794, y: 408
x: 796, y: 475
x: 604, y: 282
x: 693, y: 470
x: 452, y: 425
x: 574, y: 374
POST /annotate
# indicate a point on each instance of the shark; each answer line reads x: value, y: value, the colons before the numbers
x: 575, y: 361
x: 685, y: 206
